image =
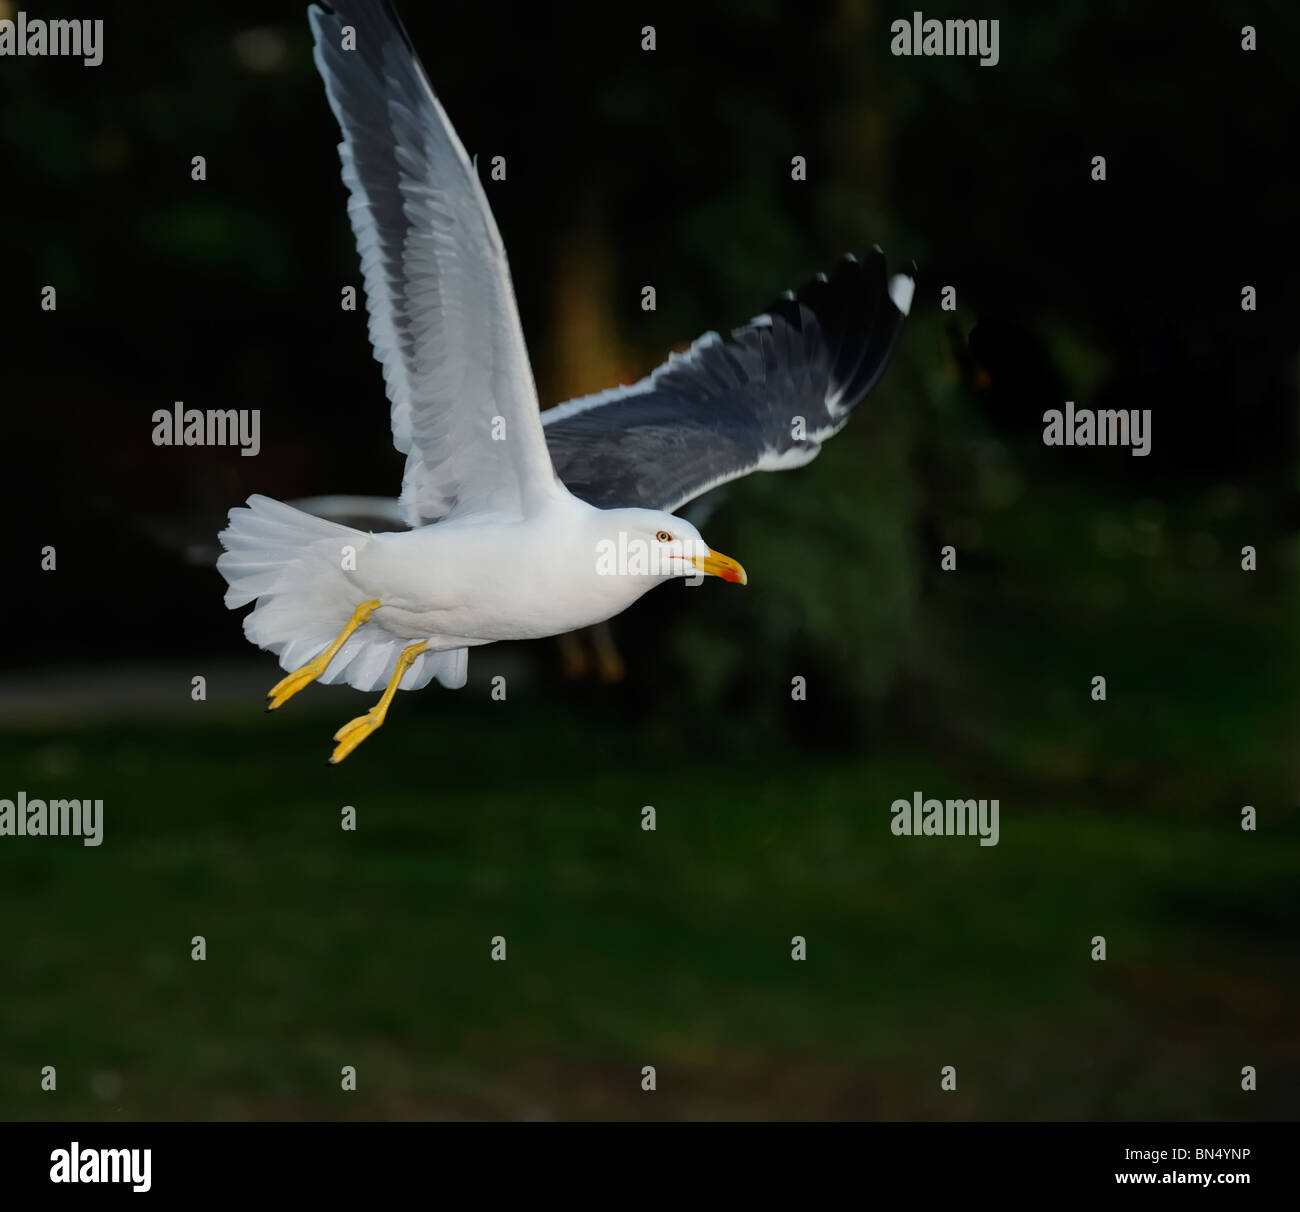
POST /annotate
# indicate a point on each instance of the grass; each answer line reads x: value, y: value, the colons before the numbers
x: 672, y: 948
x: 626, y: 948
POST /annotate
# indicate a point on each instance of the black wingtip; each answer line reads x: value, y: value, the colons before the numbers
x: 860, y: 309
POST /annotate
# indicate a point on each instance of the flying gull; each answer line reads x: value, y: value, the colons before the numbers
x: 522, y: 524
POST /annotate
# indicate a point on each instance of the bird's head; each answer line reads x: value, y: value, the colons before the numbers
x: 649, y: 543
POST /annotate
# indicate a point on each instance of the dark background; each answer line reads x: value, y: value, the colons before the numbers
x: 671, y: 168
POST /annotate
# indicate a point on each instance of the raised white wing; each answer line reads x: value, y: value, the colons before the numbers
x: 443, y: 320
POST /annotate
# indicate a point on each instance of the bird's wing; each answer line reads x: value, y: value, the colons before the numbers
x: 722, y: 410
x: 443, y: 320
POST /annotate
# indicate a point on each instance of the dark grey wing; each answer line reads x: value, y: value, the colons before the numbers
x: 722, y: 410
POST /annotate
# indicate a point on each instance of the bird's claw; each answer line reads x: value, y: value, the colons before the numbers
x: 288, y: 686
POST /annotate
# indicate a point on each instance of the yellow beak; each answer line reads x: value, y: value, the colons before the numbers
x: 715, y: 564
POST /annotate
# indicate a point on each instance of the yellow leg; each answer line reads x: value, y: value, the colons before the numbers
x: 355, y: 731
x: 287, y: 687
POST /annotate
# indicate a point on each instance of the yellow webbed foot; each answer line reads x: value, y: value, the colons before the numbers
x: 288, y: 686
x: 355, y: 731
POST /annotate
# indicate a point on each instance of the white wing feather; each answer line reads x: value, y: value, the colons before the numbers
x: 443, y: 318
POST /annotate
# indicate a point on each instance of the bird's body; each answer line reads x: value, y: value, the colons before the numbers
x: 539, y: 575
x: 517, y: 530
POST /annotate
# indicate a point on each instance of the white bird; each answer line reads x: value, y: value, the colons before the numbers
x: 501, y: 546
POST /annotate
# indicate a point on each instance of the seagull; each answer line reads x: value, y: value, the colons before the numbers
x: 519, y: 524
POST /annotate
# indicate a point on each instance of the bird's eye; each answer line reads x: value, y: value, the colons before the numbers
x: 664, y: 537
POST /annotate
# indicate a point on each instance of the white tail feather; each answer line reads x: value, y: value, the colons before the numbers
x: 291, y: 563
